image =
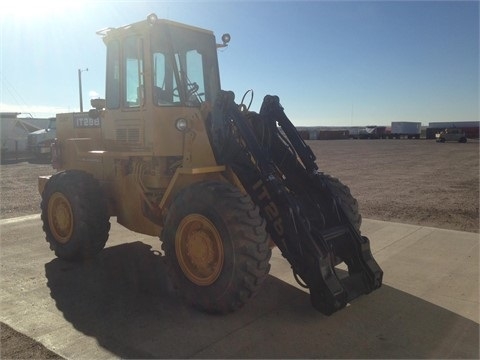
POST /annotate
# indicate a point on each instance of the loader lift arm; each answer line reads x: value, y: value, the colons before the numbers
x: 305, y: 217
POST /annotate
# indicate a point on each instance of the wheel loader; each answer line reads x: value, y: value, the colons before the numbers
x: 168, y: 153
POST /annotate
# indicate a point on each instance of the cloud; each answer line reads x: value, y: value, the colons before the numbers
x: 93, y: 94
x: 36, y: 111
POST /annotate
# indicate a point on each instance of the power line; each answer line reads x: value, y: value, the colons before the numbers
x: 8, y: 86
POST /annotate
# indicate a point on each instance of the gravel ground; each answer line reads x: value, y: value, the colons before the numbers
x: 410, y: 181
x: 419, y: 182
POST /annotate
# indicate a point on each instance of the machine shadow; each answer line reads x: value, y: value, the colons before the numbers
x: 124, y: 300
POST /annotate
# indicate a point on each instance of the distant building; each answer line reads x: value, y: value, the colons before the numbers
x: 14, y: 132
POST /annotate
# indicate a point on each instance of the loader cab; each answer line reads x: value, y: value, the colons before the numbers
x: 184, y: 67
x: 158, y: 71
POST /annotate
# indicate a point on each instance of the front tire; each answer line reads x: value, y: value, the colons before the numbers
x: 74, y: 215
x: 216, y: 246
x: 348, y: 203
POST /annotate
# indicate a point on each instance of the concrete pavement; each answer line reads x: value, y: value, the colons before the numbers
x: 120, y: 306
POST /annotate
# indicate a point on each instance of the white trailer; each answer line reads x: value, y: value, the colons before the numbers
x: 405, y: 129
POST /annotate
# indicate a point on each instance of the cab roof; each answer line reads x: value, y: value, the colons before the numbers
x: 144, y: 25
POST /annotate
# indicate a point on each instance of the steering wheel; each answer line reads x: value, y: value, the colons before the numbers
x: 192, y: 89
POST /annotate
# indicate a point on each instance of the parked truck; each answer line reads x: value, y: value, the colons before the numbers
x: 373, y: 132
x: 40, y: 141
x: 452, y: 134
x: 470, y: 128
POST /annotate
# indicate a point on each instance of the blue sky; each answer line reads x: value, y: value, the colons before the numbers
x: 330, y: 62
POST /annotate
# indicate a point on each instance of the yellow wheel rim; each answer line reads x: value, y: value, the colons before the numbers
x: 199, y: 249
x: 60, y: 217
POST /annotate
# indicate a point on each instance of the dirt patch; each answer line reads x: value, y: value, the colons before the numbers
x: 15, y: 345
x: 18, y: 188
x: 418, y: 182
x: 410, y: 181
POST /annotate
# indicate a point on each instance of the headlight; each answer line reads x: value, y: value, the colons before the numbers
x: 181, y: 124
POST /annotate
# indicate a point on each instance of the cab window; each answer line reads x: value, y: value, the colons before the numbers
x: 112, y: 91
x: 165, y: 90
x: 134, y: 76
x: 185, y: 69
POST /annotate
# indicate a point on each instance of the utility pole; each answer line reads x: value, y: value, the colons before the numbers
x: 80, y: 87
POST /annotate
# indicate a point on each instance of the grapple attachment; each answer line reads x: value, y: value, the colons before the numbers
x: 311, y: 217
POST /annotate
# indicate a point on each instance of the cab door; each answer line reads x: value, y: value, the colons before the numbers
x: 124, y: 123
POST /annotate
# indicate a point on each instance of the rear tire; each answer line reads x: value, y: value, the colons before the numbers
x: 216, y: 246
x: 74, y: 215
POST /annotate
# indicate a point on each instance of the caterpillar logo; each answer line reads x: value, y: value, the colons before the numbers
x: 269, y: 208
